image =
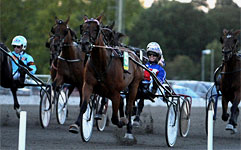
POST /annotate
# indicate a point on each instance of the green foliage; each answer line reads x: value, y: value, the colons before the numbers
x: 182, y: 30
x: 226, y: 17
x: 182, y: 67
x: 34, y: 19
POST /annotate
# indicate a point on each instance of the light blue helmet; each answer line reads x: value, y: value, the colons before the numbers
x: 20, y: 41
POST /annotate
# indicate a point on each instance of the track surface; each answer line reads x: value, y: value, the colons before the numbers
x: 151, y: 135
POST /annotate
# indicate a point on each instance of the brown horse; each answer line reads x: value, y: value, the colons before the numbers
x: 104, y: 74
x: 55, y: 50
x: 231, y: 77
x: 68, y: 62
x: 6, y: 78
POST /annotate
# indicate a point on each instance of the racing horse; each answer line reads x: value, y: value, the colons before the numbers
x: 67, y: 65
x: 230, y: 77
x: 55, y: 50
x: 104, y: 75
x: 6, y: 78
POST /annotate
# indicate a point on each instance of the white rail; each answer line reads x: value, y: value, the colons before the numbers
x: 210, y: 129
x: 22, y: 130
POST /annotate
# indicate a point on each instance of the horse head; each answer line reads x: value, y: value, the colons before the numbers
x: 60, y: 35
x: 230, y: 44
x: 90, y: 31
x: 111, y: 37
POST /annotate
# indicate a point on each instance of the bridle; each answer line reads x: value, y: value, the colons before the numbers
x: 100, y: 31
x: 93, y: 40
x: 231, y: 51
x: 58, y: 46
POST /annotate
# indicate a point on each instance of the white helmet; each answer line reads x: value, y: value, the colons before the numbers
x: 154, y: 47
x: 20, y: 41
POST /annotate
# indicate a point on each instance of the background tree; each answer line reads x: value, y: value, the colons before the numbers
x: 34, y: 19
x: 180, y: 28
x: 182, y: 68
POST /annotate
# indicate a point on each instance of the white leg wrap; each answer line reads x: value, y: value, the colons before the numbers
x: 229, y: 127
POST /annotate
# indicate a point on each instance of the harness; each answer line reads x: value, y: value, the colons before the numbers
x: 114, y: 51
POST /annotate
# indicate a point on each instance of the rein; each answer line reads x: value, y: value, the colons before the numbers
x: 69, y: 60
x: 60, y: 46
x: 100, y: 75
x: 222, y: 73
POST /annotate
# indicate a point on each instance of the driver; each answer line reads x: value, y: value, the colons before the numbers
x: 19, y: 44
x: 155, y: 63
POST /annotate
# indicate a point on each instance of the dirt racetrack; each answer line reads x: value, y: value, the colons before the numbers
x: 151, y: 135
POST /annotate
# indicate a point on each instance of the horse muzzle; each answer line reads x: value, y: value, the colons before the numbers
x: 86, y: 47
x: 227, y: 54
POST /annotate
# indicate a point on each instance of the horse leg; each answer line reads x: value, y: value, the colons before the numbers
x: 80, y: 95
x: 71, y: 89
x: 140, y: 106
x: 57, y: 82
x: 132, y: 95
x: 98, y: 116
x: 87, y: 91
x: 16, y: 104
x: 115, y: 107
x: 225, y: 115
x: 234, y: 116
x: 121, y: 107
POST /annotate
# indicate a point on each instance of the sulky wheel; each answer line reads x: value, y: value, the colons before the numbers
x: 171, y: 127
x: 101, y: 123
x: 184, y: 120
x: 45, y: 107
x: 87, y: 122
x: 61, y: 106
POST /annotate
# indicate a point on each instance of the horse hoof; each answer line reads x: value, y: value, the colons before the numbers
x: 74, y: 128
x: 129, y: 136
x: 235, y: 130
x: 229, y: 127
x: 124, y: 120
x: 136, y: 124
x: 18, y: 110
x: 225, y: 117
x: 129, y: 139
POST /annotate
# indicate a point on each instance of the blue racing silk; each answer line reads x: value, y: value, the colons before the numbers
x: 157, y: 69
x: 25, y: 58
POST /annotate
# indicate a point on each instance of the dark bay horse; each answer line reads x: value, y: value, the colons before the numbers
x: 67, y: 63
x: 6, y: 78
x: 230, y: 77
x: 105, y: 76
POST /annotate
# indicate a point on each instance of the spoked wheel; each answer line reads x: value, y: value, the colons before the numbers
x: 184, y: 120
x: 87, y: 122
x: 171, y: 128
x: 101, y: 123
x: 210, y: 105
x: 61, y: 106
x: 45, y: 107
